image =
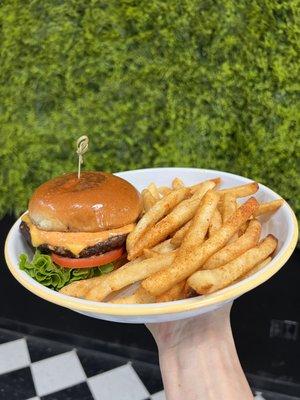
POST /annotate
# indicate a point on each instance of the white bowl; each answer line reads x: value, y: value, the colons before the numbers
x: 282, y: 224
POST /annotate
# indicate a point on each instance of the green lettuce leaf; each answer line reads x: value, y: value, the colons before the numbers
x: 43, y: 270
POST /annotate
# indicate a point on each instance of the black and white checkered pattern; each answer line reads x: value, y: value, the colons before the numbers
x: 33, y: 368
x: 38, y: 369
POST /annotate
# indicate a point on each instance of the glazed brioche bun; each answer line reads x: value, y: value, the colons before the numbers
x: 98, y: 201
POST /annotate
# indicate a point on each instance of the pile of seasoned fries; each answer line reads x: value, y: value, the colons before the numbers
x: 190, y: 240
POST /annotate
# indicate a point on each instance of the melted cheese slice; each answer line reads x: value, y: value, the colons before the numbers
x: 73, y: 241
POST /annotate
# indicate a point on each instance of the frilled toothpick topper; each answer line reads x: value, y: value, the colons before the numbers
x: 82, y: 147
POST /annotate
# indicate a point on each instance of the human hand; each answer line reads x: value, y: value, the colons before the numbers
x: 198, y: 358
x: 181, y: 333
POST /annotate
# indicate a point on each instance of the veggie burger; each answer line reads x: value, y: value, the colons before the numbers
x: 82, y: 223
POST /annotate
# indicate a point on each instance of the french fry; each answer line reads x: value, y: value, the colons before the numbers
x: 138, y: 271
x: 228, y: 206
x: 153, y: 190
x: 203, y: 188
x: 209, y: 281
x: 100, y: 287
x: 181, y: 214
x: 79, y: 288
x: 257, y: 267
x: 175, y: 293
x: 269, y: 207
x: 180, y: 234
x: 164, y: 190
x: 164, y: 247
x: 243, y: 228
x: 141, y: 296
x: 263, y: 208
x: 149, y: 253
x: 187, y: 262
x: 241, y: 191
x: 234, y: 249
x: 215, y: 223
x: 201, y: 221
x: 148, y: 200
x: 190, y: 240
x: 159, y: 210
x: 177, y: 183
x: 188, y: 291
x: 161, y: 248
x: 197, y: 186
x: 174, y: 220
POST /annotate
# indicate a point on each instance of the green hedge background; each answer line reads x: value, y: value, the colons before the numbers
x: 202, y: 83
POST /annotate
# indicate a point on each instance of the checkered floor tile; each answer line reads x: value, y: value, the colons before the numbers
x: 38, y: 369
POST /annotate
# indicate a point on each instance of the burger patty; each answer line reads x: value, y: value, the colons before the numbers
x: 97, y: 249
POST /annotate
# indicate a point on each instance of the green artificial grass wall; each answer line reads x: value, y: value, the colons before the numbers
x: 210, y: 83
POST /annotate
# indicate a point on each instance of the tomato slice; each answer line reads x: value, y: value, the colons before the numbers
x: 87, y: 262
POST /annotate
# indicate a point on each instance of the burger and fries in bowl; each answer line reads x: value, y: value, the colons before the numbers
x: 149, y: 245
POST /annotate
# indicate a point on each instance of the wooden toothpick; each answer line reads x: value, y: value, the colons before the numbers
x: 82, y: 147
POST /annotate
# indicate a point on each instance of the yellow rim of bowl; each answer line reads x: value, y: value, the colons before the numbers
x: 231, y: 292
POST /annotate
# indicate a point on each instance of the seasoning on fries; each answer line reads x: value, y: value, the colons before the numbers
x: 175, y: 293
x: 180, y: 234
x: 158, y: 211
x: 158, y: 232
x: 206, y: 281
x: 190, y: 240
x: 191, y: 257
x: 100, y: 287
x: 234, y: 249
x: 242, y: 191
x: 215, y: 223
x: 272, y: 206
